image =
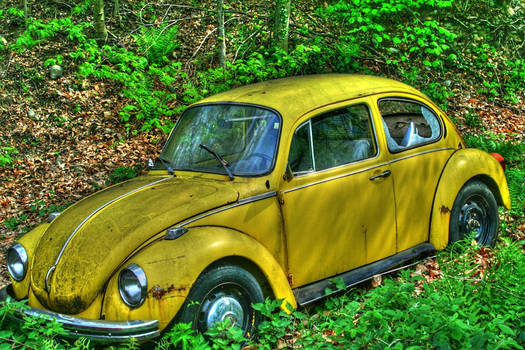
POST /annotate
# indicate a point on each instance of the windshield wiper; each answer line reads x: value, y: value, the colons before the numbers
x: 167, y: 165
x: 223, y: 162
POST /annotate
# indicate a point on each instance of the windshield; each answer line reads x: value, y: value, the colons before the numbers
x: 245, y: 137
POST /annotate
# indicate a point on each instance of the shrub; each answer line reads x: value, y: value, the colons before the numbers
x: 490, y: 142
x: 157, y: 44
x: 6, y: 155
x: 122, y: 173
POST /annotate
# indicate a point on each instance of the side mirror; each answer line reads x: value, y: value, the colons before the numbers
x: 150, y: 163
x: 288, y: 174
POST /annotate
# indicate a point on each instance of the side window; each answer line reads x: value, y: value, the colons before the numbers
x: 408, y: 124
x: 300, y: 159
x: 332, y: 139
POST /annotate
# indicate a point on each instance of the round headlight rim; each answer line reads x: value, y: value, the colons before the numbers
x: 140, y: 275
x: 22, y: 255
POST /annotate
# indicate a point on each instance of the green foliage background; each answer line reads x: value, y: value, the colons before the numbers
x: 433, y: 45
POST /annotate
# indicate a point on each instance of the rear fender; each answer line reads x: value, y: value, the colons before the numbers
x: 463, y: 166
x: 172, y: 266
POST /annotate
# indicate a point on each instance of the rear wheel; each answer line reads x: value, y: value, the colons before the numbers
x: 225, y: 292
x: 475, y: 211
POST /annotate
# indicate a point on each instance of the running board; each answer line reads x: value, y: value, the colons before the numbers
x: 317, y: 290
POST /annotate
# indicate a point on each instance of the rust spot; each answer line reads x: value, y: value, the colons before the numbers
x: 158, y: 292
x: 444, y: 210
x: 290, y: 279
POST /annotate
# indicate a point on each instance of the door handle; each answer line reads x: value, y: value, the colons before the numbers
x: 384, y: 174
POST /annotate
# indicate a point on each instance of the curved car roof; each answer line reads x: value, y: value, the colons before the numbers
x: 295, y: 96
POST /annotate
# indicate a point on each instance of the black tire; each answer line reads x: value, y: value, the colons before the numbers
x: 225, y: 291
x: 475, y: 210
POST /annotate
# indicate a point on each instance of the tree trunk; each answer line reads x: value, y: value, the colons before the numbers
x: 222, y: 35
x: 116, y: 12
x: 26, y: 11
x: 99, y: 21
x: 282, y: 23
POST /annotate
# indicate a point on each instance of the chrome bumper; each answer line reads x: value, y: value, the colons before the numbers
x: 101, y: 330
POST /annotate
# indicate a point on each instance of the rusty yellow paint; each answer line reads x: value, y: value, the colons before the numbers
x: 247, y: 218
x: 173, y: 266
x: 92, y: 311
x: 464, y: 165
x: 341, y: 231
x: 307, y: 228
x: 418, y: 168
x: 109, y: 237
x: 413, y: 207
x: 29, y: 241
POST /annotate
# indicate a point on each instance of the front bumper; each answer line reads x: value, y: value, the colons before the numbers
x: 101, y: 330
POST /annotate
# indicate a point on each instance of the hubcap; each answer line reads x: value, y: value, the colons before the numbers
x: 473, y: 218
x: 225, y: 308
x: 228, y: 301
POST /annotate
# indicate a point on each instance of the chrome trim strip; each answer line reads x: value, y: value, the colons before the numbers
x: 239, y: 203
x: 421, y: 153
x: 258, y: 197
x: 310, y: 136
x: 334, y: 178
x: 366, y: 169
x: 89, y: 217
x: 102, y: 330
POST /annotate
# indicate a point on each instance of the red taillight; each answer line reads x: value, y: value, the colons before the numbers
x: 500, y: 159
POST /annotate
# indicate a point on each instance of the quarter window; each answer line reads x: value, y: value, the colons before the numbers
x: 408, y: 124
x: 331, y: 139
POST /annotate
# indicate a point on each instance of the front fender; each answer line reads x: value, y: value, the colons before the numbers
x: 172, y: 266
x: 29, y: 241
x: 464, y: 165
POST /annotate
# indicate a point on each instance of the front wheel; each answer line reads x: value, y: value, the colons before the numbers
x: 225, y: 292
x: 475, y: 211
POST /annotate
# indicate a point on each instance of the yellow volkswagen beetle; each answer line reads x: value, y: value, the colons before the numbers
x: 271, y: 189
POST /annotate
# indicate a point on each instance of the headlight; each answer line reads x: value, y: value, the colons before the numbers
x: 16, y: 260
x: 133, y: 285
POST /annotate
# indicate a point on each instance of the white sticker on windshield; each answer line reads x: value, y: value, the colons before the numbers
x: 276, y: 126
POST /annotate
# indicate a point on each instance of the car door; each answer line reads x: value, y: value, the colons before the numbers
x: 338, y: 207
x: 414, y: 135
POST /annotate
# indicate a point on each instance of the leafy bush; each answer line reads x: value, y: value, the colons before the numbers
x: 259, y: 66
x: 489, y: 142
x: 122, y: 173
x: 40, y: 208
x: 148, y: 86
x: 516, y: 181
x: 476, y: 304
x: 157, y: 44
x: 14, y: 222
x: 6, y: 155
x: 38, y: 31
x: 399, y: 25
x: 35, y: 333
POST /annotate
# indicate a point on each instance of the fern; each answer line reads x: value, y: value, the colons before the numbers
x: 516, y: 180
x: 157, y: 44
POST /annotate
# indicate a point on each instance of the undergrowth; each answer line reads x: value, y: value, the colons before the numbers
x: 410, y: 39
x: 477, y: 303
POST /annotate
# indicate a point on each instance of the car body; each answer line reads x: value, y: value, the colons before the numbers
x: 271, y: 189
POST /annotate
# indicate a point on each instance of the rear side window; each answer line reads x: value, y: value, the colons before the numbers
x: 331, y: 139
x: 408, y: 124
